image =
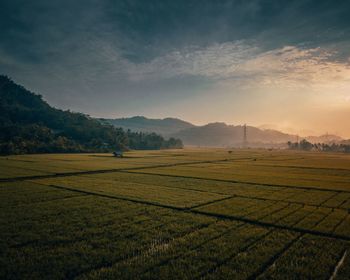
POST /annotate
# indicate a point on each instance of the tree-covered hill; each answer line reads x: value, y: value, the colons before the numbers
x: 30, y: 125
x: 164, y: 127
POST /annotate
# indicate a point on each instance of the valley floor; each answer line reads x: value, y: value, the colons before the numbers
x: 176, y: 214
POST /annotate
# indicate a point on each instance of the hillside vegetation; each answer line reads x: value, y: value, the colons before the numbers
x: 165, y: 127
x: 30, y: 125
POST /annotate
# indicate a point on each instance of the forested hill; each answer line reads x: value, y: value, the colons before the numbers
x: 30, y: 125
x: 165, y: 127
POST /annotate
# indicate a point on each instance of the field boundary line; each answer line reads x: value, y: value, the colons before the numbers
x: 162, y: 186
x: 273, y: 211
x: 209, y: 214
x: 75, y: 173
x: 80, y: 239
x: 211, y: 202
x: 137, y: 253
x: 125, y: 221
x: 285, y: 200
x: 235, y: 181
x: 267, y: 224
x: 340, y: 223
x: 344, y: 202
x: 304, y: 216
x: 304, y: 167
x: 179, y: 255
x: 274, y: 258
x: 234, y: 195
x: 121, y: 198
x: 65, y: 174
x: 322, y: 219
x: 328, y: 199
x: 241, y: 250
x: 270, y: 262
x: 130, y: 170
x: 286, y: 215
x: 338, y: 265
x: 255, y: 210
x: 44, y: 201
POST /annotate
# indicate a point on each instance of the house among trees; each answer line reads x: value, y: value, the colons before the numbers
x: 118, y: 153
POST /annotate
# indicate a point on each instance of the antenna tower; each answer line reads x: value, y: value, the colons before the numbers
x: 245, y: 136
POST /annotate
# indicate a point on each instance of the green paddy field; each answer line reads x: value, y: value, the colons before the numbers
x: 176, y: 214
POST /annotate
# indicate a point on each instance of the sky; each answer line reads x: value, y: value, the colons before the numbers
x: 275, y: 64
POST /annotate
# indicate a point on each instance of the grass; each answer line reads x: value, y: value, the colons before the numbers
x: 309, y: 251
x: 143, y: 192
x: 190, y: 214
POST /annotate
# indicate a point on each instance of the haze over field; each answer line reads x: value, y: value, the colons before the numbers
x: 217, y: 134
x: 277, y: 64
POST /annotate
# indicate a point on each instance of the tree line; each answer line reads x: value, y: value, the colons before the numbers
x: 307, y: 146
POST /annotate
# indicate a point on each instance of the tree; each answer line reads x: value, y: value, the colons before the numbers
x: 305, y: 145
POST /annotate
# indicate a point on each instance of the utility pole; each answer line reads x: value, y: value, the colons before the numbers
x: 245, y: 141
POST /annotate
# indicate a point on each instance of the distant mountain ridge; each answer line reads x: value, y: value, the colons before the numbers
x: 217, y: 134
x: 223, y: 135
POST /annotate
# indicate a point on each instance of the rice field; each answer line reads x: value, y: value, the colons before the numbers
x: 176, y: 214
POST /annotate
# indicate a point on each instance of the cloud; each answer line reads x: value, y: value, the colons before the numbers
x: 287, y: 67
x: 121, y: 57
x: 215, y: 61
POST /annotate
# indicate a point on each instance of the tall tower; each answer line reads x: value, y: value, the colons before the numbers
x: 245, y: 141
